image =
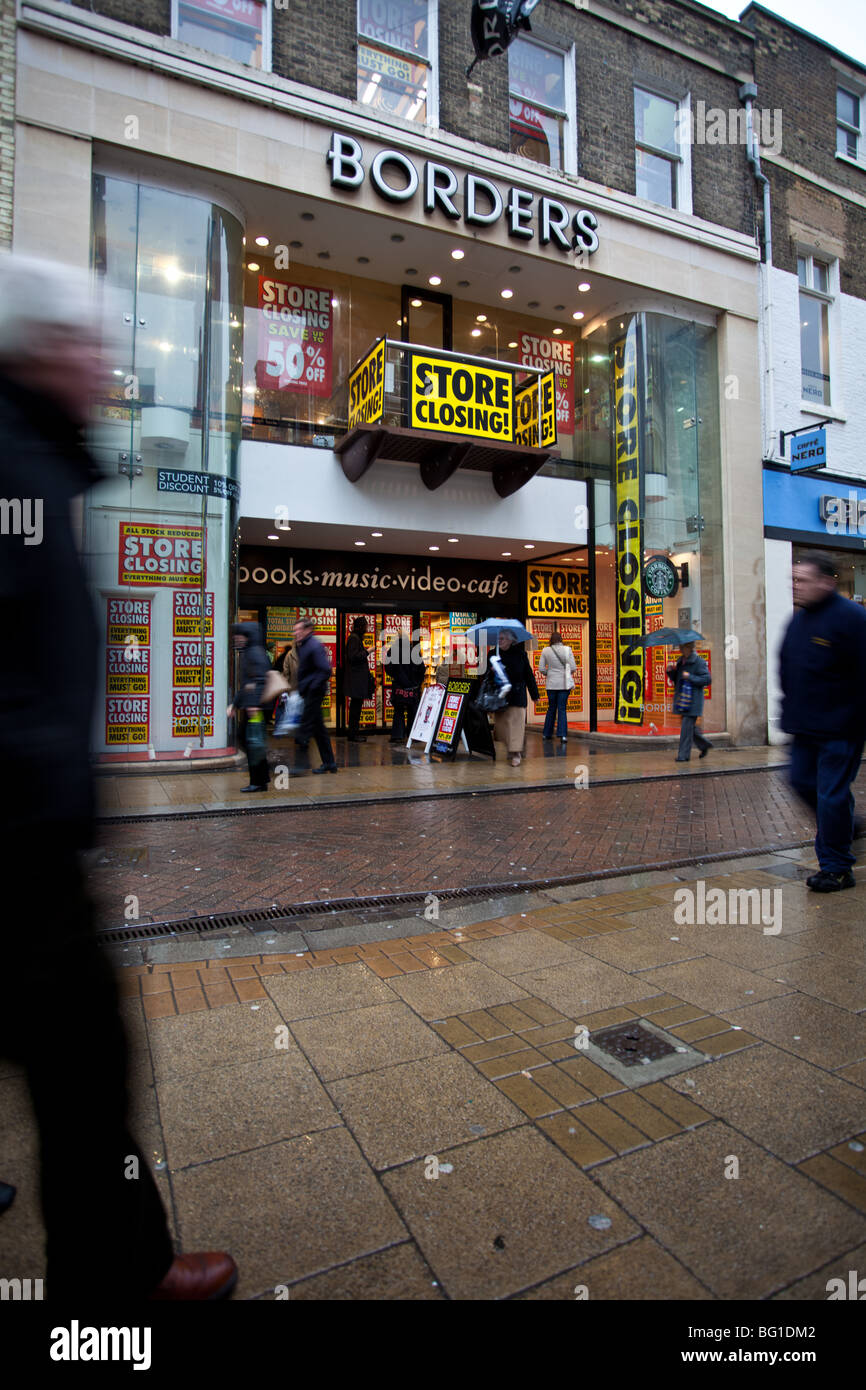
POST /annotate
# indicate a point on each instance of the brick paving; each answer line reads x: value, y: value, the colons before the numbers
x: 229, y: 863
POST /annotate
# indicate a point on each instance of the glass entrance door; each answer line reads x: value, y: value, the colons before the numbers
x: 427, y: 317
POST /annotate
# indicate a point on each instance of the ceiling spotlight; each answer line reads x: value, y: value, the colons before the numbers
x: 396, y: 236
x: 506, y: 554
x: 514, y: 270
x: 507, y: 294
x: 584, y: 286
x: 416, y: 303
x: 457, y: 254
x: 410, y: 270
x: 362, y: 260
x: 476, y: 333
x: 262, y: 241
x: 452, y: 540
x: 559, y: 308
x: 533, y: 304
x: 434, y: 280
x: 308, y: 217
x: 463, y: 284
x: 432, y: 547
x: 360, y: 542
x: 296, y: 246
x: 578, y: 314
x: 273, y: 538
x: 480, y: 318
x: 512, y: 345
x: 557, y: 330
x: 529, y: 547
x: 252, y: 265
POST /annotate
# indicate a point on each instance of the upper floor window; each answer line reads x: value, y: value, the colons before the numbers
x: 816, y: 301
x: 539, y: 103
x: 849, y: 124
x: 396, y: 57
x: 238, y: 29
x: 662, y: 173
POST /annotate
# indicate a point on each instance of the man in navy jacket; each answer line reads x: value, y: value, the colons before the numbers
x: 823, y: 678
x: 314, y: 673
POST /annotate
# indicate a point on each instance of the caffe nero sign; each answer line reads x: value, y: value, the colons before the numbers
x: 393, y: 580
x: 479, y: 203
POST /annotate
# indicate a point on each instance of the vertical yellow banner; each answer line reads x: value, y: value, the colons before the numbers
x: 629, y: 545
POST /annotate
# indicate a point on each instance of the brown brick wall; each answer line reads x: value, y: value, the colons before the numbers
x: 152, y: 15
x: 7, y: 117
x: 314, y: 42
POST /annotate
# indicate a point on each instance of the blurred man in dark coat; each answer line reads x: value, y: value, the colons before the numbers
x: 107, y: 1235
x: 823, y: 677
x: 247, y: 702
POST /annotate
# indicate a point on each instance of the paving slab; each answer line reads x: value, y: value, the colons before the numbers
x: 287, y: 1211
x: 189, y: 1043
x: 640, y: 1270
x: 232, y: 1109
x: 742, y: 1238
x: 394, y: 1275
x: 364, y: 1040
x: 585, y: 986
x: 514, y: 1212
x: 815, y: 1286
x: 524, y: 950
x: 712, y: 983
x: 642, y: 948
x: 328, y: 990
x: 810, y: 1028
x: 832, y: 978
x: 420, y: 1108
x: 456, y: 989
x: 790, y: 1106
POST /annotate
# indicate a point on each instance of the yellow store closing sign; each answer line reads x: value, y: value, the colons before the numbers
x: 367, y: 388
x: 628, y: 704
x: 460, y: 398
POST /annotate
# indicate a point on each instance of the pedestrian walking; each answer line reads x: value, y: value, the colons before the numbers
x: 247, y: 703
x: 356, y: 687
x: 314, y: 675
x: 406, y: 670
x: 106, y: 1228
x: 690, y: 676
x: 509, y: 723
x: 289, y: 667
x: 822, y: 669
x: 557, y: 665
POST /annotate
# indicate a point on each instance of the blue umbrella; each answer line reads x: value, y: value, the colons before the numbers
x: 488, y: 631
x: 668, y: 637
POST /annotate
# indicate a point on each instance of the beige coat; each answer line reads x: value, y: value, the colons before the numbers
x: 290, y: 667
x: 557, y: 664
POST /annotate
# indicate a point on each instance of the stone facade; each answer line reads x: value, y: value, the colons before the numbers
x: 7, y: 117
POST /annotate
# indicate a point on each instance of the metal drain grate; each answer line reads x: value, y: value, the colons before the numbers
x: 632, y: 1044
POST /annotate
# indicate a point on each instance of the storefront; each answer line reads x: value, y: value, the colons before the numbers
x: 825, y: 513
x: 261, y: 244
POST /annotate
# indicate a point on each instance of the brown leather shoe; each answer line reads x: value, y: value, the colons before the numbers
x: 198, y: 1278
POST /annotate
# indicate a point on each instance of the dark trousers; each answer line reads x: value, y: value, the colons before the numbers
x: 405, y: 710
x: 313, y: 726
x: 106, y: 1232
x: 556, y: 703
x: 689, y: 735
x: 255, y: 742
x: 354, y: 716
x: 822, y: 771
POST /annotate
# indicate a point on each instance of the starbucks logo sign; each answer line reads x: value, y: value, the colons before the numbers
x: 660, y: 578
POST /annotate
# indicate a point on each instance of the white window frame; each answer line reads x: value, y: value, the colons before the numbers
x: 853, y: 89
x: 682, y: 161
x: 267, y: 30
x: 431, y: 62
x: 569, y: 115
x: 830, y: 297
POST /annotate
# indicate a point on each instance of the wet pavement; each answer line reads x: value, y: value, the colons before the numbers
x: 179, y: 867
x: 415, y: 1113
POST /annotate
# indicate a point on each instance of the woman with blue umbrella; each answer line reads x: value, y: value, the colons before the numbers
x: 509, y: 723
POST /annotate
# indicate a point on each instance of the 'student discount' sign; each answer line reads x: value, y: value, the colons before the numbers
x: 460, y: 398
x: 367, y: 388
x: 160, y: 554
x: 628, y: 706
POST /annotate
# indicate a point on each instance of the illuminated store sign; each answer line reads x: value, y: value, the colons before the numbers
x: 629, y: 547
x: 397, y: 179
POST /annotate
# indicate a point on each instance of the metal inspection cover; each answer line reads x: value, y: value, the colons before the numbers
x: 638, y: 1052
x: 630, y: 1043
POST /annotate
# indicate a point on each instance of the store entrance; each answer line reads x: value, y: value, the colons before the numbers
x: 444, y: 652
x: 427, y: 317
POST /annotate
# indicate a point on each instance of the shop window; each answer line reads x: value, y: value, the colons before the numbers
x: 849, y: 124
x: 236, y: 29
x: 816, y: 300
x: 541, y: 87
x: 397, y: 41
x: 662, y: 165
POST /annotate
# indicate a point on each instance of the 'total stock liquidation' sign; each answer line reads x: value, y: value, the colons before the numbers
x: 367, y: 388
x: 460, y: 398
x: 535, y: 413
x: 629, y: 547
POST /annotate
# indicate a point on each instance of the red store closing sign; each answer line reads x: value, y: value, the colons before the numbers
x: 295, y: 337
